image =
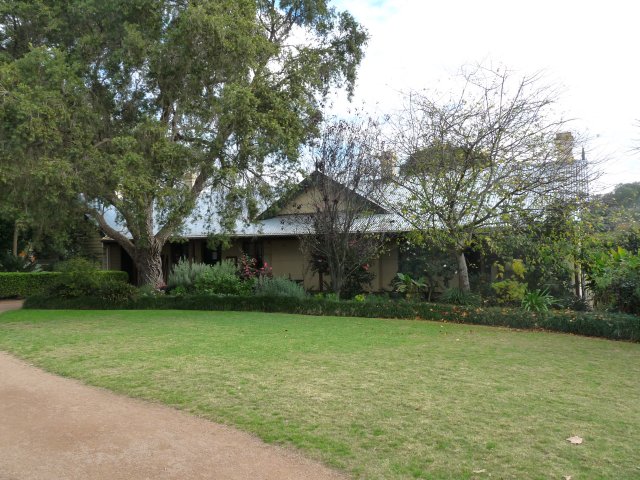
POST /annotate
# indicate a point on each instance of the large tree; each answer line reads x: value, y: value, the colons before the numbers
x: 472, y: 159
x: 140, y: 108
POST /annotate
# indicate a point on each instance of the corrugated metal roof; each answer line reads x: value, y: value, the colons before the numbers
x: 294, y: 225
x: 200, y: 225
x: 203, y: 222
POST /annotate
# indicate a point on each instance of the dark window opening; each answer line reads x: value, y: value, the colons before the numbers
x: 211, y: 256
x: 254, y: 249
x: 127, y: 265
x: 179, y: 251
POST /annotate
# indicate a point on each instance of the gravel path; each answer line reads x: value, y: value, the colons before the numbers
x: 54, y: 427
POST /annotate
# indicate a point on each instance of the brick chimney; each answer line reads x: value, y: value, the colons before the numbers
x: 564, y: 146
x: 387, y: 165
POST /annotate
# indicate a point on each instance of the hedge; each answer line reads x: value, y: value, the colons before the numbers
x: 18, y: 284
x: 606, y: 325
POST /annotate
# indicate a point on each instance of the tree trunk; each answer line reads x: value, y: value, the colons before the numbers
x: 336, y: 284
x: 463, y: 272
x: 577, y: 284
x: 16, y: 232
x: 149, y: 263
x: 336, y: 279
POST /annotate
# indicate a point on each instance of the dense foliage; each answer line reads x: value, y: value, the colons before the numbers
x: 251, y: 269
x: 184, y: 274
x: 14, y: 284
x: 409, y: 287
x: 458, y: 296
x: 143, y: 108
x: 537, y: 301
x: 615, y: 280
x: 355, y: 278
x: 221, y: 278
x: 433, y: 268
x: 472, y: 159
x: 25, y: 263
x: 279, y: 287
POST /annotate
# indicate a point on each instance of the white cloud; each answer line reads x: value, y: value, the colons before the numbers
x: 590, y: 49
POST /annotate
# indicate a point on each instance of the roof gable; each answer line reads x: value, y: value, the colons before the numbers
x: 301, y: 198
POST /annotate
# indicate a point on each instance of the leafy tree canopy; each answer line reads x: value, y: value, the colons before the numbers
x: 143, y: 105
x: 473, y: 160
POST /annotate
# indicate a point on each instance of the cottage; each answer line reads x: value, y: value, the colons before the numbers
x: 274, y: 239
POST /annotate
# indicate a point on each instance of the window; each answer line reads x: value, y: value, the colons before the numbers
x: 179, y: 251
x: 211, y: 256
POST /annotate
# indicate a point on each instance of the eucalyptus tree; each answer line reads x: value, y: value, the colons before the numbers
x: 472, y: 159
x: 141, y: 108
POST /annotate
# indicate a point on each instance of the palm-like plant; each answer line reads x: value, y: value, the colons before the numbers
x: 408, y: 286
x: 537, y: 301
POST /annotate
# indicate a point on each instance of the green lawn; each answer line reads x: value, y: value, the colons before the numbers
x: 377, y: 398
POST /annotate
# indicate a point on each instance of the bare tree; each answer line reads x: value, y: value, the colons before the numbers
x: 470, y: 161
x: 343, y: 229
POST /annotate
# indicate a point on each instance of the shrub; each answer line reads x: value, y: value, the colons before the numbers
x: 509, y: 292
x: 76, y: 278
x: 250, y: 269
x: 117, y: 275
x: 377, y: 299
x: 409, y: 287
x: 77, y: 264
x: 185, y: 274
x: 331, y: 297
x: 179, y: 291
x: 457, y: 296
x: 25, y: 264
x: 614, y: 278
x: 73, y: 284
x: 357, y: 276
x: 149, y: 291
x: 221, y: 278
x: 14, y: 284
x: 537, y: 301
x: 356, y: 282
x: 279, y: 286
x: 116, y: 293
x: 573, y: 302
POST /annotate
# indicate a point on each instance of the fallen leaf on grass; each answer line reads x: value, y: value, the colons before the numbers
x: 482, y: 470
x: 567, y: 477
x: 575, y: 440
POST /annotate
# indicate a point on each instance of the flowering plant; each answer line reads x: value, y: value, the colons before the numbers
x: 250, y: 268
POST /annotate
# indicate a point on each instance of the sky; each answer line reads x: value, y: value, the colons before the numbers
x: 590, y: 50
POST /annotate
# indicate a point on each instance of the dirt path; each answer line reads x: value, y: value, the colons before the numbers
x: 6, y: 305
x: 53, y: 427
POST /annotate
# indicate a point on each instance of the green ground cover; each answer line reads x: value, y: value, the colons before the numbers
x: 377, y: 398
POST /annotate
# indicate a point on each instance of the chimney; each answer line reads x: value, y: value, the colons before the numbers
x: 564, y: 146
x: 387, y: 165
